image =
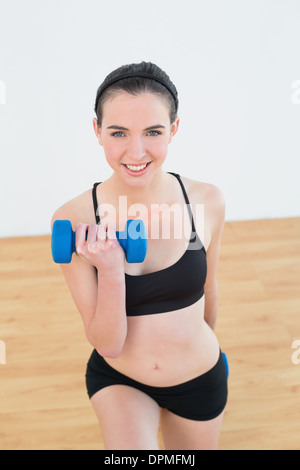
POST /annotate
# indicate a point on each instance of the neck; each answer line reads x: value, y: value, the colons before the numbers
x: 154, y: 191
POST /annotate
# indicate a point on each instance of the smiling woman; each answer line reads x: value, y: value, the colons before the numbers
x: 156, y: 358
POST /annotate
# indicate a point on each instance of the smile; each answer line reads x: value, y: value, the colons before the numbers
x: 137, y: 169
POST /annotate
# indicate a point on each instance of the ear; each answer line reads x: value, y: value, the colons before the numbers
x: 174, y: 129
x: 97, y: 130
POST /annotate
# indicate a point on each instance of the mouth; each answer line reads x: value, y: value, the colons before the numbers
x: 136, y: 170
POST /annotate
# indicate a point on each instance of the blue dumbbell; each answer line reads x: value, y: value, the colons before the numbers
x: 133, y: 240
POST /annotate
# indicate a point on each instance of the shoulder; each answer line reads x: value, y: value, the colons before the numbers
x: 80, y: 209
x: 212, y: 197
x: 205, y: 193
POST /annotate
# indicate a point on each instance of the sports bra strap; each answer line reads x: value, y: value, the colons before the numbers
x: 186, y: 200
x: 96, y: 203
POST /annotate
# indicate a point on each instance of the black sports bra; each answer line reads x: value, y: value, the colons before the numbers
x: 172, y: 288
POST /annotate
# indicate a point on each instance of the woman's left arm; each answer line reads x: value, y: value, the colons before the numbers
x: 215, y: 217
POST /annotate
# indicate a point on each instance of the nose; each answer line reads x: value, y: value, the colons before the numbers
x: 136, y: 150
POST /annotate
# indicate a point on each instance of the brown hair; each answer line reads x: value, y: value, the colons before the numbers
x: 136, y: 79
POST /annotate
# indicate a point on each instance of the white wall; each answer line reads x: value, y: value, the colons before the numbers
x: 234, y: 62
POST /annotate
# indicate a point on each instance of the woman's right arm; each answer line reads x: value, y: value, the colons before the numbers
x: 99, y: 294
x: 107, y: 329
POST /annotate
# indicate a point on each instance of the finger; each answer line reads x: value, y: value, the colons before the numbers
x: 101, y: 232
x: 80, y: 236
x: 111, y: 236
x: 97, y: 239
x: 92, y: 233
x: 111, y: 232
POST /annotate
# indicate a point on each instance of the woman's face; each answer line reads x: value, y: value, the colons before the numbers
x: 136, y: 132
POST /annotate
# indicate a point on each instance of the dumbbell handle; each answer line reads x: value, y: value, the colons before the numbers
x: 121, y: 237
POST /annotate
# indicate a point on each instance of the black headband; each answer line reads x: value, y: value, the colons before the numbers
x: 131, y: 75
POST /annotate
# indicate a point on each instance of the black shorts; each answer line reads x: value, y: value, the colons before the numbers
x: 200, y: 399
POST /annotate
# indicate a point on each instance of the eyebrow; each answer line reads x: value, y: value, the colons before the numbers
x: 120, y: 128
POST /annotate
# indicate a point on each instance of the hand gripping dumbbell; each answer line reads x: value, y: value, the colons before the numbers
x: 133, y: 240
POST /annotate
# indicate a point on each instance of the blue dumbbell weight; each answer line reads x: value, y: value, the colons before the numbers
x: 133, y: 240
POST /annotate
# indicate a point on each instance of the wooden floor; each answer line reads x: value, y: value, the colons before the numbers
x: 43, y: 400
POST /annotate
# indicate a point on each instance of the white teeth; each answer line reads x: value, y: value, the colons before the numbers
x: 136, y: 168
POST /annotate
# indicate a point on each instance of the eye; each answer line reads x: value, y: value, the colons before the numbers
x: 117, y: 134
x: 154, y: 133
